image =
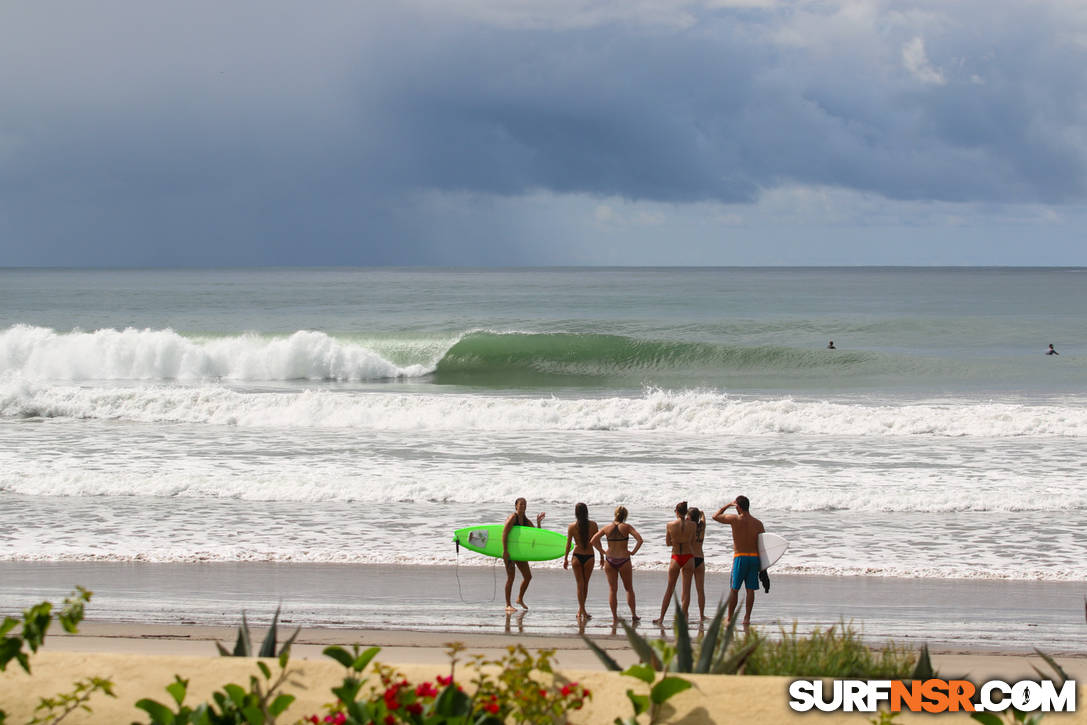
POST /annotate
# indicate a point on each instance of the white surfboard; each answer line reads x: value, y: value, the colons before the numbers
x: 771, y: 547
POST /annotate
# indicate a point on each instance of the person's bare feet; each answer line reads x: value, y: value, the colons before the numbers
x: 522, y: 603
x: 510, y: 609
x: 635, y: 618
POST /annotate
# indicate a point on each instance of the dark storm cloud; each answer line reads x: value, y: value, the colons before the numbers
x: 133, y: 133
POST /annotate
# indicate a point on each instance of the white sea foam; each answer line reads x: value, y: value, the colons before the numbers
x: 38, y: 353
x: 691, y: 412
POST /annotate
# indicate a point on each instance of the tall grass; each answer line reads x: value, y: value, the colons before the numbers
x: 835, y: 652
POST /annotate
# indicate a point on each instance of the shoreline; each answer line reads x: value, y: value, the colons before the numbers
x: 952, y: 616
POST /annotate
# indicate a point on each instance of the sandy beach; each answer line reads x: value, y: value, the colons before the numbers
x: 143, y: 659
x: 148, y: 621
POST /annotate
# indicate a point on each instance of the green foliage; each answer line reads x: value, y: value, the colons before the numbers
x: 660, y: 690
x: 1013, y: 716
x: 835, y: 652
x: 52, y: 710
x: 243, y: 645
x: 515, y: 694
x: 19, y: 647
x: 36, y: 621
x: 261, y: 704
x: 708, y: 655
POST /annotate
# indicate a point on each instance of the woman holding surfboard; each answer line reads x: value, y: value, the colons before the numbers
x: 517, y: 518
x: 579, y: 534
x: 616, y: 562
x: 678, y: 535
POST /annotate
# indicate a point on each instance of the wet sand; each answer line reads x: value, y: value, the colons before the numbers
x: 952, y: 616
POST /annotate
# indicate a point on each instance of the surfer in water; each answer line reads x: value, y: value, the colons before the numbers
x: 830, y: 345
x: 616, y: 562
x: 1051, y: 351
x: 745, y: 558
x: 517, y: 518
x: 699, y: 520
x: 678, y: 534
x: 579, y: 534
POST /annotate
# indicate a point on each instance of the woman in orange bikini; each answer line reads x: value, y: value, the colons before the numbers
x: 678, y: 535
x: 699, y: 520
x: 579, y: 534
x: 616, y: 563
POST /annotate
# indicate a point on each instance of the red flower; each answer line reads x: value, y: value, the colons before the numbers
x: 543, y: 693
x: 426, y: 690
x: 390, y: 720
x: 491, y: 708
x: 445, y: 680
x: 566, y: 690
x: 415, y: 708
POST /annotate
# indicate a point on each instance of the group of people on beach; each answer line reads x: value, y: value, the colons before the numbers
x: 685, y: 535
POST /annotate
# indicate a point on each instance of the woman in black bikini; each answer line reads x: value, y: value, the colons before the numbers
x: 616, y: 563
x: 579, y: 533
x: 678, y: 535
x: 699, y: 520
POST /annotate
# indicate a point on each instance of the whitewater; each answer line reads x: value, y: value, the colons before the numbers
x: 359, y: 416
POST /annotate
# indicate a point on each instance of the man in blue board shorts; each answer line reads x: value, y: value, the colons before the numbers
x: 745, y: 558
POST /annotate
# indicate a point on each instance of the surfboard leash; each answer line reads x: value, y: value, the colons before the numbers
x: 494, y: 580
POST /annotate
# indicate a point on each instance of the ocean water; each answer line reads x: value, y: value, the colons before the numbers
x: 313, y: 415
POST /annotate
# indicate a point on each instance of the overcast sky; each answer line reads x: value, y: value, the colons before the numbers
x: 540, y: 132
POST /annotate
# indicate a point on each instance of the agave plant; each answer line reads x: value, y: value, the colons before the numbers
x: 709, y: 656
x: 243, y: 646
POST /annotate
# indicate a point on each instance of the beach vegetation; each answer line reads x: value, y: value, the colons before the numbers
x: 260, y: 704
x: 243, y: 644
x: 1012, y: 716
x: 19, y: 646
x: 525, y: 690
x: 710, y: 654
x: 837, y: 651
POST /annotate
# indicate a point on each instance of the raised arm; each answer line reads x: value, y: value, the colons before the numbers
x: 721, y: 517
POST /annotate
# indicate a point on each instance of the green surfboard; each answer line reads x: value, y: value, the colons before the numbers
x: 527, y: 543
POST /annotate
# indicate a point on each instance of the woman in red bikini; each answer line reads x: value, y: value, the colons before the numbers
x: 699, y: 520
x: 579, y: 534
x: 616, y: 563
x: 678, y: 535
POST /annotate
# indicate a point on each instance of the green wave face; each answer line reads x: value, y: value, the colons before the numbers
x: 507, y: 358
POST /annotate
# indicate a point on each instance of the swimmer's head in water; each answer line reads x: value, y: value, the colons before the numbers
x: 742, y: 503
x: 620, y: 513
